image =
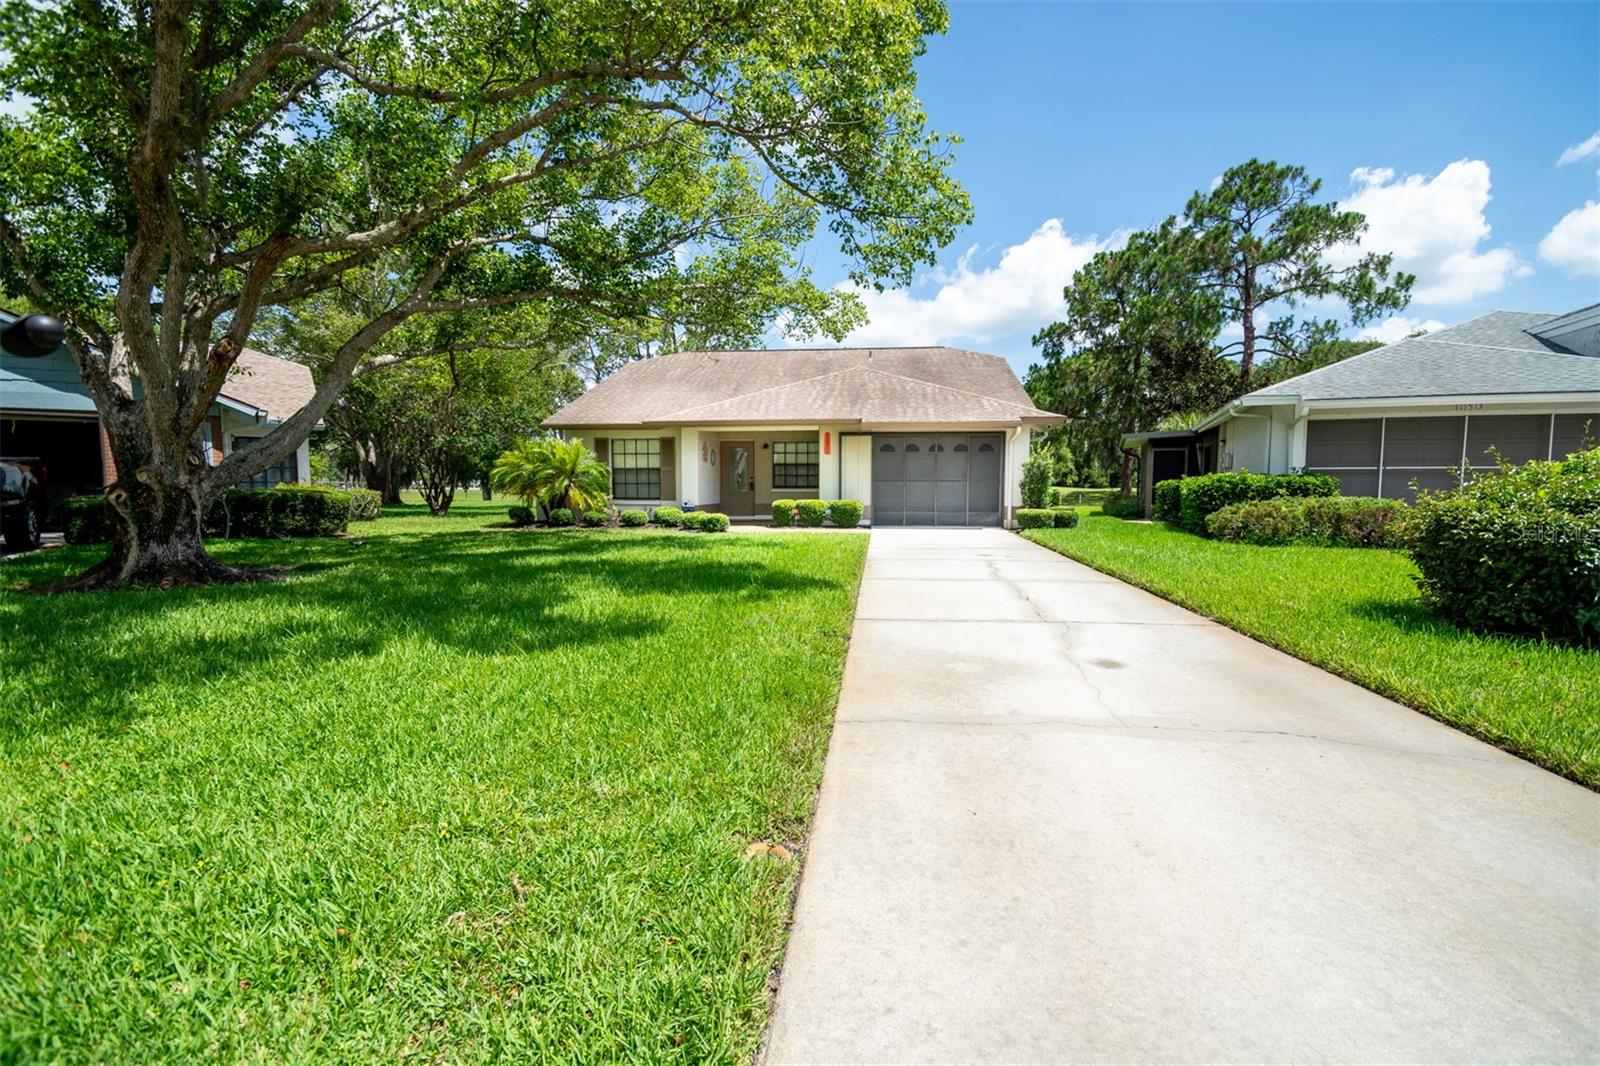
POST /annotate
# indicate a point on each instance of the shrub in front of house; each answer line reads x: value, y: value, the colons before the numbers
x: 562, y: 516
x: 1262, y: 522
x: 1166, y: 501
x: 365, y: 505
x: 1353, y: 521
x: 707, y: 521
x: 671, y: 517
x: 633, y: 517
x: 783, y: 512
x: 1064, y: 517
x: 284, y: 511
x: 1037, y: 469
x: 85, y: 520
x: 1120, y: 506
x: 846, y: 513
x: 520, y: 515
x: 594, y: 519
x: 1518, y: 552
x: 1203, y: 495
x: 1035, y: 518
x: 812, y: 512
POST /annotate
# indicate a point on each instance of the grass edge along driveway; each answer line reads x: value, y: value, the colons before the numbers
x: 1355, y: 612
x: 447, y: 792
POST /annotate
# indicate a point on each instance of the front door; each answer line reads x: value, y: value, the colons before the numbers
x: 738, y: 477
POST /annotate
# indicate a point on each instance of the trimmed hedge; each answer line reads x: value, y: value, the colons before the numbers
x: 1166, y: 501
x: 706, y: 521
x: 783, y: 512
x: 1515, y: 553
x: 1338, y: 521
x: 812, y: 512
x: 365, y: 505
x: 846, y: 513
x: 671, y: 517
x: 1120, y: 506
x: 283, y: 511
x: 562, y: 516
x: 520, y: 515
x: 1203, y: 495
x: 1035, y: 518
x: 1065, y: 517
x: 595, y: 519
x: 633, y: 517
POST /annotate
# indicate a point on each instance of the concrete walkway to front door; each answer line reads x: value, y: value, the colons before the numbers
x: 1066, y: 821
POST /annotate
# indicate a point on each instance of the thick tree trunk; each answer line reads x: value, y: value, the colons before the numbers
x: 1127, y: 472
x: 157, y: 539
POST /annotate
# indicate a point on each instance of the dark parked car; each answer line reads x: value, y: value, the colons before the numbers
x: 22, y: 502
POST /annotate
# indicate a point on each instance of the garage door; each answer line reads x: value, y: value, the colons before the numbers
x: 937, y: 479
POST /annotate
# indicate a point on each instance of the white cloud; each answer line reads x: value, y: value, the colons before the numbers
x: 1434, y: 227
x: 1020, y: 292
x: 1398, y: 327
x: 1582, y: 150
x: 1574, y: 243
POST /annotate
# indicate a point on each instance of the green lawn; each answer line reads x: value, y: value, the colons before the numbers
x: 1356, y: 612
x: 446, y: 792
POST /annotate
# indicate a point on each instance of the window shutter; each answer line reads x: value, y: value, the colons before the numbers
x: 602, y: 449
x: 669, y: 479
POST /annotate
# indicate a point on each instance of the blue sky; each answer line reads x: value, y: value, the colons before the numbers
x: 1444, y: 122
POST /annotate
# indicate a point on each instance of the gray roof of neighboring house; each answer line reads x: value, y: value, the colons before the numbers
x: 911, y: 386
x: 51, y: 384
x: 1493, y: 354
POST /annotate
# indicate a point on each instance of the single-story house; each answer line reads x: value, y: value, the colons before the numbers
x: 921, y: 436
x: 1408, y: 414
x: 46, y: 412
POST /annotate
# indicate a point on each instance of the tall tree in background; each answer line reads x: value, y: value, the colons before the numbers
x: 1131, y: 347
x: 1259, y: 242
x: 188, y: 165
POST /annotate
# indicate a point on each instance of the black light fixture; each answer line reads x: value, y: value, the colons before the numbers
x: 33, y: 336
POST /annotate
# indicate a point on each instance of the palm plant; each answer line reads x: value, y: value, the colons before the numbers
x: 553, y: 473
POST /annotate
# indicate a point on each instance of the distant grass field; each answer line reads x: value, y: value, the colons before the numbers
x: 445, y: 792
x: 1357, y: 613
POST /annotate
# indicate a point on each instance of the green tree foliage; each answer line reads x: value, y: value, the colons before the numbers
x: 554, y: 473
x: 190, y: 166
x: 1130, y: 349
x: 1259, y: 243
x: 1140, y: 345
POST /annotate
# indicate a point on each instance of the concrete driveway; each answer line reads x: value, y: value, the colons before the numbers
x: 1066, y: 821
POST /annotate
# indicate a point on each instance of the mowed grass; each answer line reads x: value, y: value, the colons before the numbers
x: 445, y: 793
x: 1357, y: 613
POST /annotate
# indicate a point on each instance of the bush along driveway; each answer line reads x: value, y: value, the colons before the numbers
x: 1357, y: 613
x: 444, y: 792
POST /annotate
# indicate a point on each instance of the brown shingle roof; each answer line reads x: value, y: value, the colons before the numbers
x: 881, y: 386
x: 274, y: 385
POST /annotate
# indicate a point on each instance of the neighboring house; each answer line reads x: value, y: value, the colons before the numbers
x: 1409, y: 413
x: 922, y: 436
x: 45, y: 411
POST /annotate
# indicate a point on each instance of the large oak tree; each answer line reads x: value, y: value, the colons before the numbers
x: 188, y: 165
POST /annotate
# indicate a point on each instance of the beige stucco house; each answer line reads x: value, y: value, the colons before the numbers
x: 922, y: 436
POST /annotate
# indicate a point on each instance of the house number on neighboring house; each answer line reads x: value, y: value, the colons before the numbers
x: 1469, y: 407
